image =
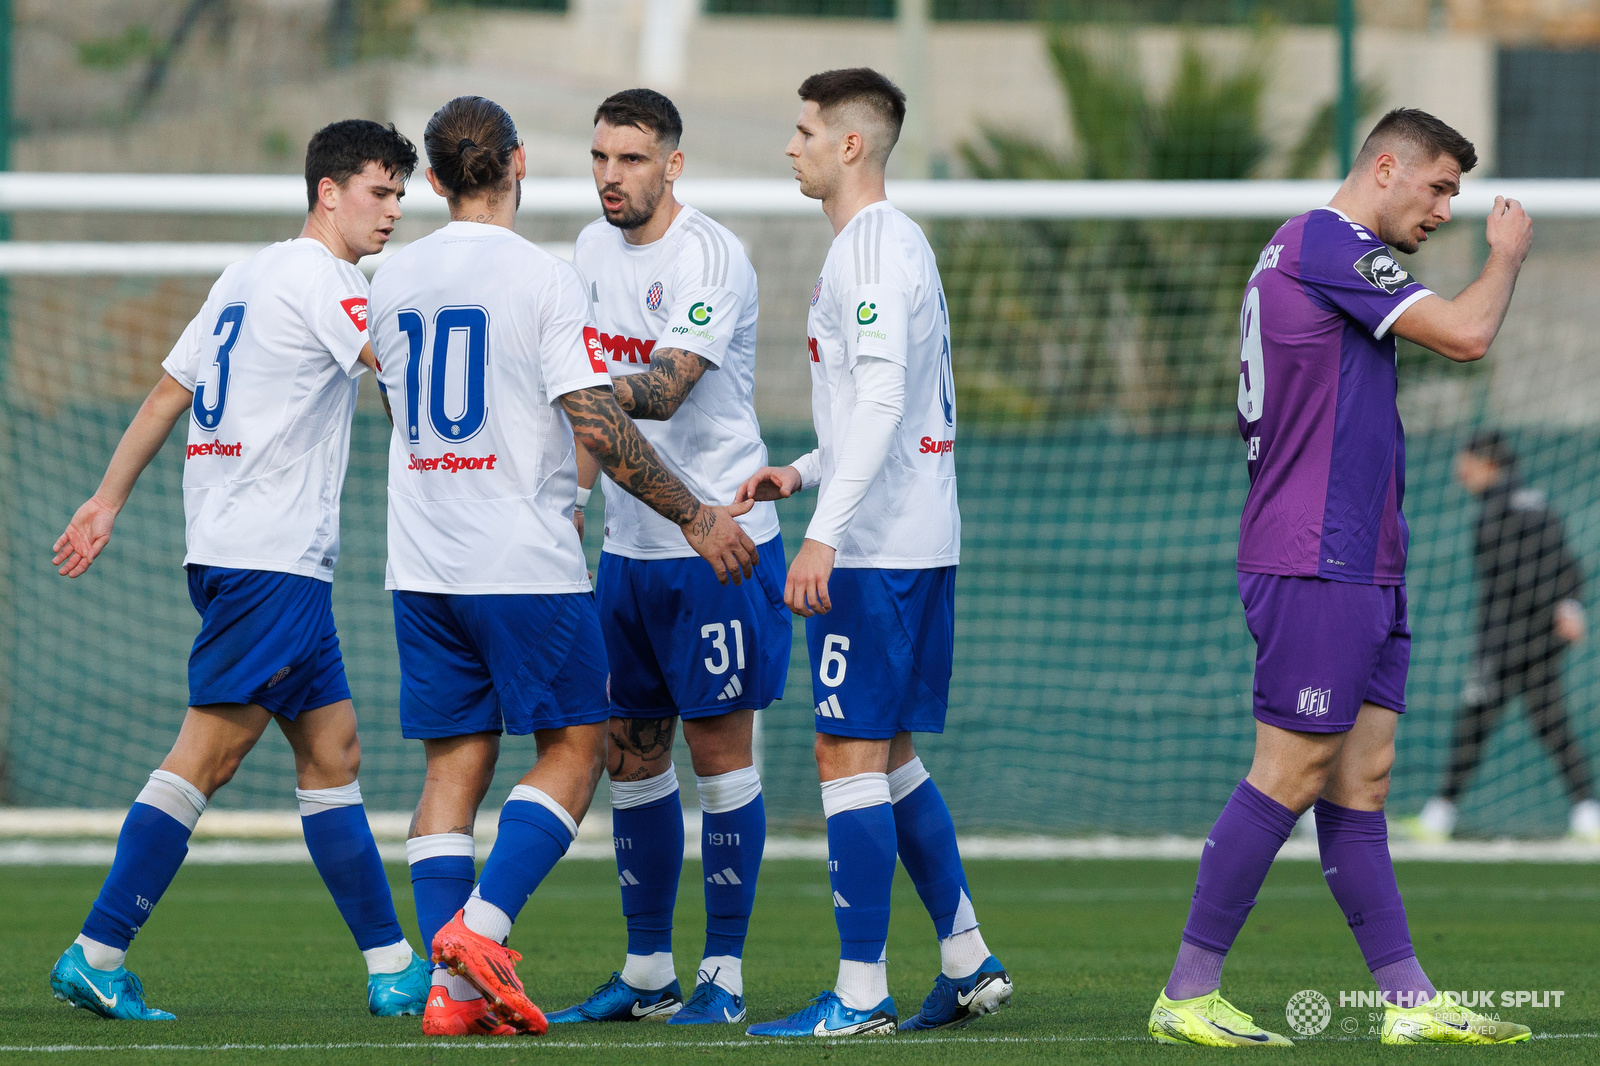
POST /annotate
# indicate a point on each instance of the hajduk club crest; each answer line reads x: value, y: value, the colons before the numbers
x: 652, y: 298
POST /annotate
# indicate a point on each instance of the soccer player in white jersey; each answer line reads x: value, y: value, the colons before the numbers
x: 267, y: 373
x: 875, y: 577
x: 492, y: 369
x: 675, y: 300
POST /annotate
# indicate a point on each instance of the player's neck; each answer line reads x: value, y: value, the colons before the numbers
x: 501, y: 211
x: 319, y: 229
x: 857, y: 192
x: 1352, y: 205
x: 657, y: 225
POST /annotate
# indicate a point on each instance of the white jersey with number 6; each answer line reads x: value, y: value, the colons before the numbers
x: 693, y: 289
x: 478, y: 332
x: 272, y: 359
x: 880, y: 296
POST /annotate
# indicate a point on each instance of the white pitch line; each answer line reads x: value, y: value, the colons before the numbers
x: 531, y: 1042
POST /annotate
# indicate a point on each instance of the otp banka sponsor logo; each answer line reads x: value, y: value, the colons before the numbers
x: 699, y: 315
x: 866, y: 315
x: 1314, y: 701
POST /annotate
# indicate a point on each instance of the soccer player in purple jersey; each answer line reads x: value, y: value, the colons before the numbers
x: 1322, y: 550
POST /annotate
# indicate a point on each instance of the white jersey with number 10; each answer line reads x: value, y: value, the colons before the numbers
x: 478, y: 333
x: 880, y: 296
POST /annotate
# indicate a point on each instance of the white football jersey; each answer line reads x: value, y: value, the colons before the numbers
x: 272, y: 360
x: 879, y: 295
x: 478, y: 332
x: 694, y: 289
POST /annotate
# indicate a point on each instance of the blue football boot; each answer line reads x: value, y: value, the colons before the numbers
x: 115, y: 994
x: 711, y: 1004
x: 828, y: 1016
x: 953, y: 1004
x: 618, y: 1001
x: 393, y: 995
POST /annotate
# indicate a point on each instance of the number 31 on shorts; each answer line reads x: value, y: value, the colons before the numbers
x: 717, y: 633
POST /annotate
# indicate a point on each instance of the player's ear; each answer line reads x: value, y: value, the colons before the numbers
x: 851, y: 147
x: 675, y: 165
x: 328, y: 193
x: 433, y: 180
x: 519, y: 161
x: 1384, y: 167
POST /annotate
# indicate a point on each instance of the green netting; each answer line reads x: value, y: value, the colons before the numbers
x: 1102, y: 674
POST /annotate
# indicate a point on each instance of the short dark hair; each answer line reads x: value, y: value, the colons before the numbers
x: 643, y: 109
x: 469, y: 142
x: 1491, y: 444
x: 1420, y: 130
x: 343, y: 149
x: 858, y: 85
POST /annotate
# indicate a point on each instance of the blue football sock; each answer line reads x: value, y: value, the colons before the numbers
x: 342, y: 849
x: 861, y: 853
x: 927, y: 842
x: 442, y: 875
x: 733, y: 835
x: 647, y: 831
x: 534, y: 833
x: 150, y: 848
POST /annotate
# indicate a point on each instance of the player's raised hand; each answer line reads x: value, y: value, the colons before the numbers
x: 806, y: 591
x: 720, y: 541
x: 86, y: 535
x: 1509, y: 230
x: 769, y: 483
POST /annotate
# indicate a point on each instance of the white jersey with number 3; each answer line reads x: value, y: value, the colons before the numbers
x: 880, y: 296
x: 478, y: 333
x: 693, y: 289
x: 272, y: 360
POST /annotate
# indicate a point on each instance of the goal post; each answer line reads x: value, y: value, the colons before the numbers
x: 1103, y: 670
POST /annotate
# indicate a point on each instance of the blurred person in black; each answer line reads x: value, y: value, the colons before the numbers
x: 1529, y: 613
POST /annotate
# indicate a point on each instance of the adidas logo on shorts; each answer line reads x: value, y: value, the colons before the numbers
x: 829, y: 708
x: 733, y: 688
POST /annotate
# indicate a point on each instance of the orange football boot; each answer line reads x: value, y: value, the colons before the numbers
x: 449, y: 1017
x: 491, y: 969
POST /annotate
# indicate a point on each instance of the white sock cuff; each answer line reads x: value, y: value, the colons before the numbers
x: 317, y: 800
x: 907, y: 779
x: 625, y: 794
x: 171, y: 794
x: 729, y: 791
x: 854, y: 793
x: 529, y: 794
x: 438, y: 845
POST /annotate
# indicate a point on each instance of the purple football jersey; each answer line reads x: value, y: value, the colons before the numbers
x: 1317, y: 405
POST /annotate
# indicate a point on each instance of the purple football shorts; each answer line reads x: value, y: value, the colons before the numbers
x: 1325, y: 647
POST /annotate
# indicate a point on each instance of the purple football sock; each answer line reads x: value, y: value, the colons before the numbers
x: 1357, y: 867
x: 1238, y: 853
x: 1198, y: 972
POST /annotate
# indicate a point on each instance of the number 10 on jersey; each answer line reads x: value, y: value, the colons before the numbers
x: 460, y: 356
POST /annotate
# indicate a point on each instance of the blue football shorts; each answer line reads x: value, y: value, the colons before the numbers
x: 265, y: 638
x: 492, y: 664
x: 682, y: 644
x: 881, y: 658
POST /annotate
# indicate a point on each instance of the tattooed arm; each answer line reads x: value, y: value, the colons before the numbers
x: 611, y: 437
x: 658, y: 392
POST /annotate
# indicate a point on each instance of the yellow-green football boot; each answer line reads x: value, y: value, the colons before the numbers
x: 1209, y: 1020
x: 1444, y: 1021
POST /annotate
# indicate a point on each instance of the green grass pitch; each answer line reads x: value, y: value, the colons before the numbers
x: 257, y: 956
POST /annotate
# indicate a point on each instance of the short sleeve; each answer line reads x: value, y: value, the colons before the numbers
x: 336, y: 314
x: 570, y: 353
x: 1356, y: 274
x: 705, y: 309
x: 183, y: 362
x: 877, y: 314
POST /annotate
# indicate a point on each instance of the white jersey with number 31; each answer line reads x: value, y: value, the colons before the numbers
x: 880, y: 296
x: 478, y: 333
x: 272, y: 359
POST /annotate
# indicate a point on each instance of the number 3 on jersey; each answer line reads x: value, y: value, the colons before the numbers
x: 455, y: 378
x: 208, y: 407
